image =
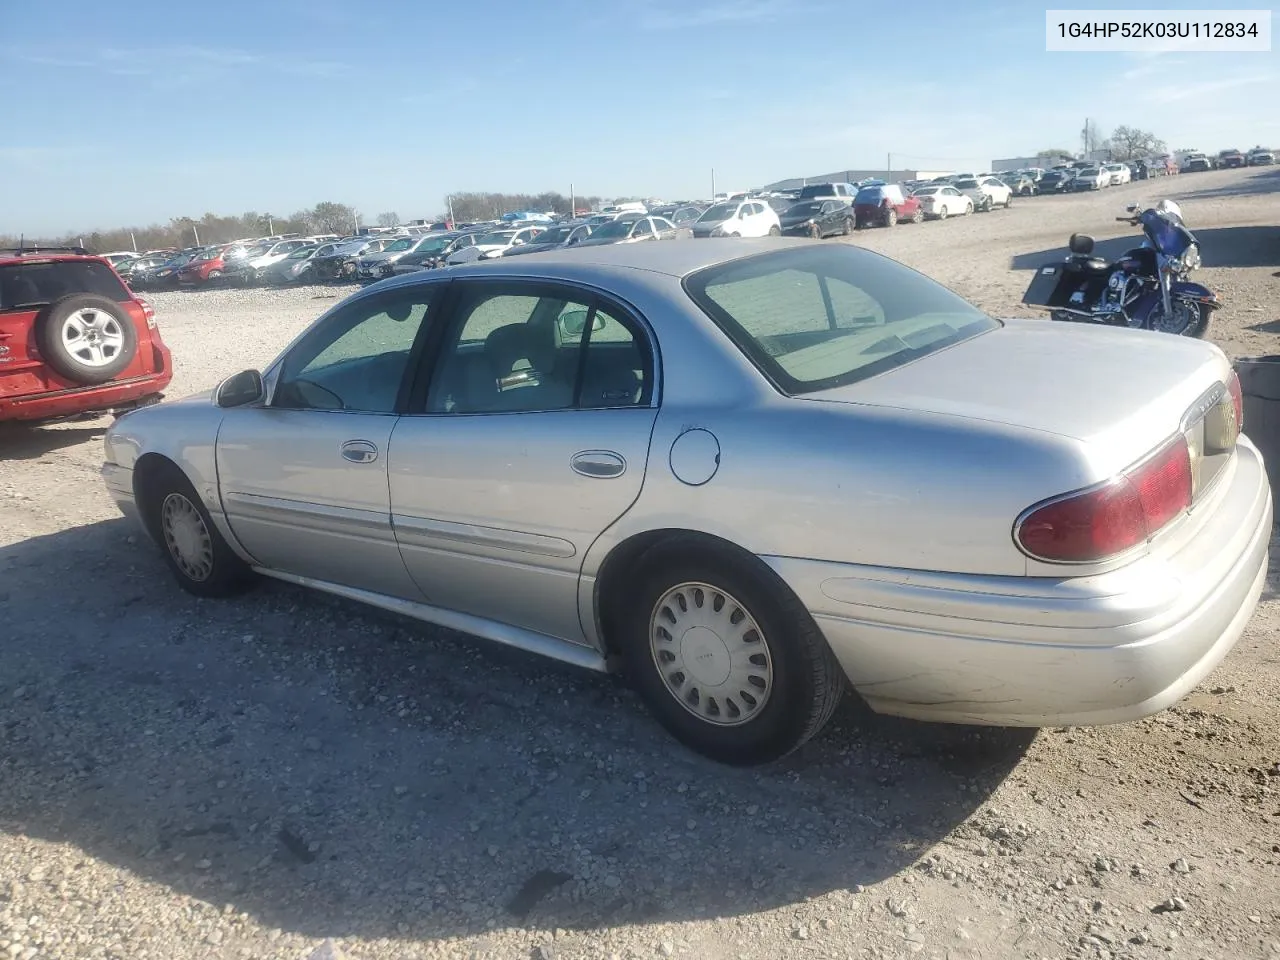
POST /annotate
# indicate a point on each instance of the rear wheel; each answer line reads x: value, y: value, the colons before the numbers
x: 968, y: 208
x: 1008, y: 201
x: 214, y: 275
x: 846, y: 226
x: 918, y: 216
x: 725, y: 655
x: 775, y: 232
x: 942, y: 212
x: 891, y: 218
x: 815, y: 232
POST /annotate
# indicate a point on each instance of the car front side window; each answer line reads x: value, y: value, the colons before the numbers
x: 356, y: 359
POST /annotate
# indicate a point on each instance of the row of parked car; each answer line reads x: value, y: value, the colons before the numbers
x: 816, y: 210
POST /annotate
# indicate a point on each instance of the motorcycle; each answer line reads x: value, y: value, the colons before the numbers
x: 1146, y: 288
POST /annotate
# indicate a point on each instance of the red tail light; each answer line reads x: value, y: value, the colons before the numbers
x: 1104, y: 522
x: 1237, y: 399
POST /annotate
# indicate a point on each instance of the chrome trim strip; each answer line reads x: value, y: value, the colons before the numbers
x: 540, y: 643
x: 325, y: 518
x: 426, y: 532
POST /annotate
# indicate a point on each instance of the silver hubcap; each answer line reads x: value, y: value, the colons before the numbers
x: 711, y: 654
x: 93, y: 337
x: 186, y: 537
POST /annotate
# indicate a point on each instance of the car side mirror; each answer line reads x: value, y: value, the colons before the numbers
x: 241, y: 389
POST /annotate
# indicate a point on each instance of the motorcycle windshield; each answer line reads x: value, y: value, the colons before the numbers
x: 1166, y: 236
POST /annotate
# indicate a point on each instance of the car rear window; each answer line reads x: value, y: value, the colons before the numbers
x: 35, y: 283
x: 869, y: 195
x: 812, y: 318
x: 966, y: 184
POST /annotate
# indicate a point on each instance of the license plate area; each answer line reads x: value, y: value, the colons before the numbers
x: 1211, y: 430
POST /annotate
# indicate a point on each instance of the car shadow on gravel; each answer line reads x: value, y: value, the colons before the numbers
x: 333, y: 771
x: 20, y: 442
x: 1219, y: 247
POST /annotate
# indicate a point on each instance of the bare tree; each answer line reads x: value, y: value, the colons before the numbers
x: 330, y: 217
x: 389, y: 219
x: 1129, y: 143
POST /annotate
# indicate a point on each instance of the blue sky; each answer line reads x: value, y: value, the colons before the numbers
x: 134, y: 113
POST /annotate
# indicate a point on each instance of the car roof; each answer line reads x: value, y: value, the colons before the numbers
x: 672, y: 258
x: 8, y: 258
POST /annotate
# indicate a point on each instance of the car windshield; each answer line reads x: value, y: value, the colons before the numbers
x: 35, y: 283
x: 966, y: 184
x: 927, y: 191
x: 618, y: 228
x: 554, y: 235
x: 869, y: 195
x: 806, y: 209
x: 817, y: 317
x: 258, y: 251
x: 721, y: 211
x: 1088, y: 172
x: 208, y: 255
x: 433, y: 244
x: 403, y: 243
x: 500, y: 239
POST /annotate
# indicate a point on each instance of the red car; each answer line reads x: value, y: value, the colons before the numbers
x: 885, y: 204
x: 204, y: 267
x: 74, y: 339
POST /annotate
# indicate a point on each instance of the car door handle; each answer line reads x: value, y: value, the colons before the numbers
x: 598, y: 464
x: 359, y: 451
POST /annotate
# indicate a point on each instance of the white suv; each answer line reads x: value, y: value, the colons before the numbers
x: 985, y: 192
x: 739, y: 218
x: 1118, y: 173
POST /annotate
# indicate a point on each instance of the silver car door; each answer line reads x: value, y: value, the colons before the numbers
x: 532, y: 440
x: 303, y: 478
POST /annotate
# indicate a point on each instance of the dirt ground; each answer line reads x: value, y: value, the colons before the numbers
x: 183, y: 778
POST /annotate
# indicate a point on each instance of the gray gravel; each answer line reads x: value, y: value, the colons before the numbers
x: 287, y: 775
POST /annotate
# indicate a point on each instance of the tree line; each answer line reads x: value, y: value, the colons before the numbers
x: 326, y: 217
x: 1125, y: 143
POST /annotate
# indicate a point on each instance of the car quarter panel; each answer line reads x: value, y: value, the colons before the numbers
x: 1025, y: 651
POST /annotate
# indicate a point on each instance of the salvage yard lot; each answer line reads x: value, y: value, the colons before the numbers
x: 184, y: 778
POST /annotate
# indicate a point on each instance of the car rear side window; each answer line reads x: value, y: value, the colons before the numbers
x: 813, y: 318
x: 37, y: 283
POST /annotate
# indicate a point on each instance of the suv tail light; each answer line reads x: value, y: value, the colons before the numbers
x: 1106, y: 521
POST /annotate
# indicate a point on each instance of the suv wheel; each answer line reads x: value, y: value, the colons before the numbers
x: 86, y: 338
x: 891, y: 218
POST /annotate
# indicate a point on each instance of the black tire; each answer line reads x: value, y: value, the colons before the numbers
x: 111, y: 329
x: 846, y: 226
x: 891, y: 218
x: 807, y: 680
x: 775, y: 231
x: 228, y: 574
x: 815, y: 232
x: 942, y: 212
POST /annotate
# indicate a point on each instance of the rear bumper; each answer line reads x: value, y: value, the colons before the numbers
x: 59, y: 404
x: 1036, y: 651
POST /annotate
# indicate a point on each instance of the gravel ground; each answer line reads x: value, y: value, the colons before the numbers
x: 285, y: 773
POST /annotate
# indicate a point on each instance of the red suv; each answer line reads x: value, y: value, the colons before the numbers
x: 885, y: 204
x: 73, y: 338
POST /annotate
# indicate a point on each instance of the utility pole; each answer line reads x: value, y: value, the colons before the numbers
x: 134, y: 241
x: 888, y: 162
x: 713, y: 184
x: 196, y: 232
x: 573, y: 204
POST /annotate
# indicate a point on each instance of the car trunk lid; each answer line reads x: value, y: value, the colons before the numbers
x: 1120, y: 393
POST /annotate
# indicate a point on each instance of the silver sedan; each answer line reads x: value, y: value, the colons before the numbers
x: 747, y: 474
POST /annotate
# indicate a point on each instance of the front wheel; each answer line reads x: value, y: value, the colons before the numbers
x: 846, y: 227
x: 1190, y: 318
x: 193, y: 548
x: 918, y: 216
x: 775, y: 232
x: 968, y: 208
x: 1008, y: 201
x: 725, y: 655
